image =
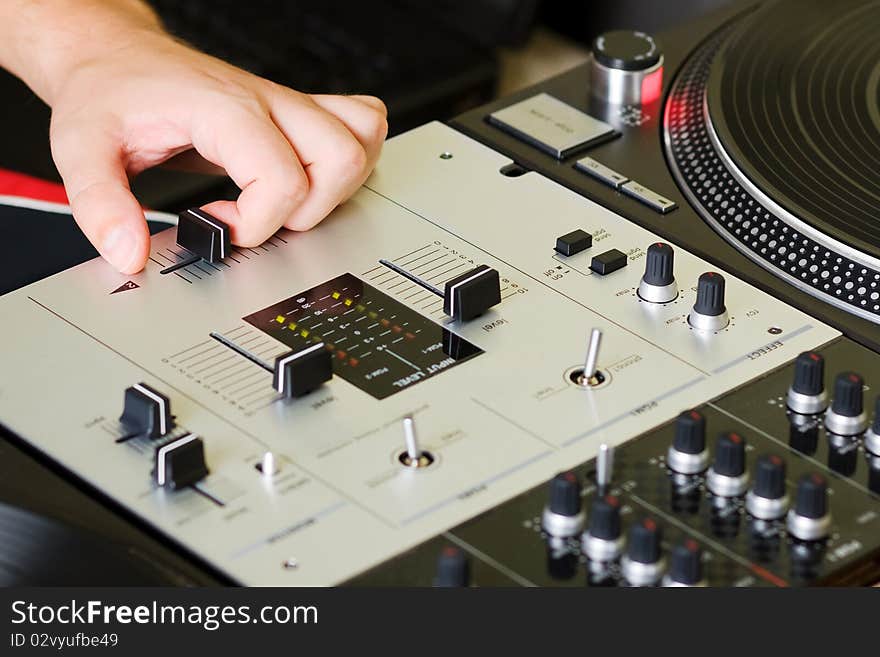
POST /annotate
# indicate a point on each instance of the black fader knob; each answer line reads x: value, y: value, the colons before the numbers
x: 643, y: 563
x: 810, y: 519
x: 297, y: 373
x: 471, y: 294
x: 658, y: 282
x: 872, y: 435
x: 686, y: 565
x: 146, y: 412
x: 603, y: 540
x: 709, y: 312
x: 767, y: 499
x: 564, y: 515
x: 847, y: 417
x: 203, y: 234
x: 727, y: 476
x: 807, y: 392
x: 688, y: 453
x: 180, y: 462
x: 453, y: 568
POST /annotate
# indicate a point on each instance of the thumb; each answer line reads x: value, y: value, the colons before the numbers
x: 91, y: 164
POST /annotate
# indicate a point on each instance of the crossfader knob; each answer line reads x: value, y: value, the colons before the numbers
x: 709, y: 312
x: 807, y: 392
x: 847, y: 417
x: 146, y: 412
x: 658, y: 282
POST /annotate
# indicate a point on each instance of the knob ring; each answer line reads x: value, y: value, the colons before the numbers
x: 725, y: 485
x: 845, y: 425
x: 708, y: 323
x: 688, y: 464
x: 872, y: 442
x: 561, y: 526
x: 657, y: 293
x: 765, y: 508
x: 806, y: 404
x: 601, y: 549
x: 808, y: 529
x: 638, y: 573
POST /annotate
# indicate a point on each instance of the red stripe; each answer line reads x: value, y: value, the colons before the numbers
x: 19, y: 184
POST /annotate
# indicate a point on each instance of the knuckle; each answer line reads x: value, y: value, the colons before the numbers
x: 352, y: 158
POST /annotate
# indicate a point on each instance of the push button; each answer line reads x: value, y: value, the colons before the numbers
x: 550, y: 125
x: 574, y: 242
x: 608, y: 262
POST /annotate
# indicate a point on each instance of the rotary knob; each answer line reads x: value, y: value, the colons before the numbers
x: 688, y: 454
x: 810, y: 519
x: 627, y: 68
x: 872, y: 436
x: 686, y: 565
x: 643, y: 563
x: 767, y: 499
x: 709, y: 312
x: 847, y: 417
x: 564, y: 515
x: 658, y: 282
x: 453, y: 568
x: 727, y: 476
x: 807, y: 392
x: 603, y: 540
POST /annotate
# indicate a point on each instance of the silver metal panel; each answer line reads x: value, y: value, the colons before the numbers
x: 550, y: 124
x: 341, y: 501
x: 599, y: 171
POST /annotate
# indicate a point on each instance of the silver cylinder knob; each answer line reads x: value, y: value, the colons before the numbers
x: 626, y: 68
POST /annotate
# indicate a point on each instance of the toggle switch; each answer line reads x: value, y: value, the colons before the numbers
x: 203, y: 235
x: 657, y: 285
x: 466, y: 296
x: 146, y: 412
x: 413, y: 456
x: 589, y: 376
x: 180, y: 462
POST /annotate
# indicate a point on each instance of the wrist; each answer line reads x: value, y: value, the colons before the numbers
x: 71, y: 34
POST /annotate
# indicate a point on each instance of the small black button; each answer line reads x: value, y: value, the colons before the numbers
x: 574, y: 242
x: 608, y: 262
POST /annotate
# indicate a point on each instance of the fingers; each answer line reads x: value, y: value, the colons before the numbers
x: 90, y: 162
x: 337, y: 139
x: 260, y: 160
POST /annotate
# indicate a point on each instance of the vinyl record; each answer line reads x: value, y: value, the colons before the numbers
x: 38, y: 551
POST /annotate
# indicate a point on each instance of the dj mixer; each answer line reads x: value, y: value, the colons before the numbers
x: 543, y: 345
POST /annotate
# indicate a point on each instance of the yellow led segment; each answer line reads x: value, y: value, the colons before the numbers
x: 304, y: 333
x: 292, y: 326
x: 348, y: 302
x: 336, y: 295
x: 280, y: 319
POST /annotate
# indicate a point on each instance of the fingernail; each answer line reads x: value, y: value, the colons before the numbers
x: 120, y: 248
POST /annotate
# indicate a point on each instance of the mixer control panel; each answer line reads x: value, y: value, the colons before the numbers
x: 304, y: 411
